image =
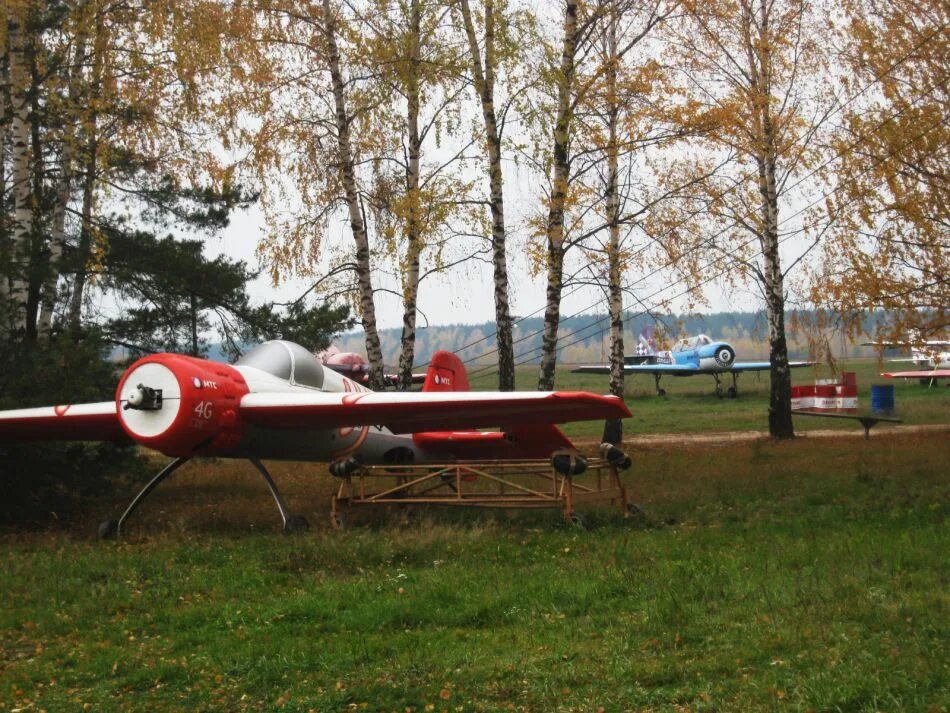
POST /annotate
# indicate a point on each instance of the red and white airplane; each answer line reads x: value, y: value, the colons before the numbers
x: 931, y: 355
x: 278, y: 402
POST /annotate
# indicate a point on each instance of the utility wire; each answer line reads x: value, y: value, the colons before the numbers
x: 839, y: 154
x: 490, y: 368
x: 903, y: 58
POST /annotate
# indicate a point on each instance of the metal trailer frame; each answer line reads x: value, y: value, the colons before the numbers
x: 454, y: 485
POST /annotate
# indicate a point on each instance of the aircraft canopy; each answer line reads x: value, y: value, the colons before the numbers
x: 287, y: 361
x: 685, y: 345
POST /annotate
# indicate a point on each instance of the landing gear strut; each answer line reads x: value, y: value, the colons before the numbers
x: 733, y: 391
x: 112, y: 529
x: 659, y: 391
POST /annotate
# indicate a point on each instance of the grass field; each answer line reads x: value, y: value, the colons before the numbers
x: 809, y: 575
x: 691, y: 404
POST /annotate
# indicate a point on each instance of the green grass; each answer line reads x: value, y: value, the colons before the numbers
x: 767, y: 576
x: 692, y: 406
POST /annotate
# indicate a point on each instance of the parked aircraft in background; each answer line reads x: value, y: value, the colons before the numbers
x: 355, y: 367
x: 279, y: 402
x: 689, y: 357
x: 932, y: 356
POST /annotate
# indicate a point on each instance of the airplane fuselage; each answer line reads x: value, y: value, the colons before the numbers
x: 370, y: 444
x: 714, y: 357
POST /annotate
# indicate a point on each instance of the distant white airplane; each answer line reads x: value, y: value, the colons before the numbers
x: 931, y: 355
x: 689, y: 357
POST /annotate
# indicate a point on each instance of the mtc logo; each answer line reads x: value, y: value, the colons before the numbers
x: 204, y: 384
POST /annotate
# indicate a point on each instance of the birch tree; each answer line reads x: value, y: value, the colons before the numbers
x: 306, y: 118
x: 573, y: 35
x: 755, y: 73
x: 624, y: 116
x: 357, y: 224
x: 423, y: 202
x: 21, y: 150
x: 493, y: 47
x: 4, y: 131
x: 890, y: 249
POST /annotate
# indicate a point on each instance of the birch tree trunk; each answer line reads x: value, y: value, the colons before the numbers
x: 90, y: 167
x: 4, y: 89
x: 613, y: 432
x: 780, y: 398
x: 364, y: 279
x: 20, y: 169
x: 484, y: 79
x: 38, y: 257
x: 555, y: 222
x: 61, y: 199
x: 84, y: 245
x: 414, y: 245
x: 614, y: 268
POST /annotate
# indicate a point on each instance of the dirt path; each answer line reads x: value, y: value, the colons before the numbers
x: 727, y: 437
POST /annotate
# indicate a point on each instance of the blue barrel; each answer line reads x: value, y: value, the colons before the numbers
x: 882, y: 399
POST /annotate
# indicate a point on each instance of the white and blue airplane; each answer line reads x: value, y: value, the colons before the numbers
x: 689, y: 356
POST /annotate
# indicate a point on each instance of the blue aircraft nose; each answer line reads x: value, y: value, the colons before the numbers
x: 722, y: 352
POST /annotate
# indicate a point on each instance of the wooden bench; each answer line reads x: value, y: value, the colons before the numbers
x: 867, y: 420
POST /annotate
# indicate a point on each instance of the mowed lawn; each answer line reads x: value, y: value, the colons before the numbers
x: 809, y: 575
x: 691, y: 404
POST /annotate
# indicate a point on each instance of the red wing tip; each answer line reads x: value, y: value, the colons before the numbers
x: 614, y: 402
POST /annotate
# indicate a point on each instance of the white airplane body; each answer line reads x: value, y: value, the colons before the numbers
x: 279, y: 403
x: 930, y: 356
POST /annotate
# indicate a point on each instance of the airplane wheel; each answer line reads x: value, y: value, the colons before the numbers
x: 578, y: 521
x: 295, y: 524
x: 336, y: 521
x: 109, y: 530
x: 661, y: 392
x: 732, y: 393
x: 634, y: 510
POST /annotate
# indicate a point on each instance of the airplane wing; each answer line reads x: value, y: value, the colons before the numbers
x: 81, y: 422
x: 407, y: 412
x: 765, y: 366
x: 908, y: 345
x: 680, y: 369
x: 928, y: 374
x: 639, y: 369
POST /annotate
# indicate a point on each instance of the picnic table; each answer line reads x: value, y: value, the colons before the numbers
x: 868, y: 420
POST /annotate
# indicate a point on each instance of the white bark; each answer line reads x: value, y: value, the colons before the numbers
x: 413, y: 223
x: 484, y: 79
x: 374, y: 353
x: 20, y: 173
x: 61, y: 200
x: 555, y: 221
x: 4, y: 243
x: 614, y: 270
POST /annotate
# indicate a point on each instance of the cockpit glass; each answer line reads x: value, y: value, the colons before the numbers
x: 702, y: 340
x: 271, y: 357
x: 308, y: 371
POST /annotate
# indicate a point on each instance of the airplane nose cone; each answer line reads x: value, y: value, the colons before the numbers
x: 725, y: 356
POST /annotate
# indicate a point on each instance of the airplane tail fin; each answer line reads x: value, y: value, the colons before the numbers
x: 646, y: 342
x: 446, y: 373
